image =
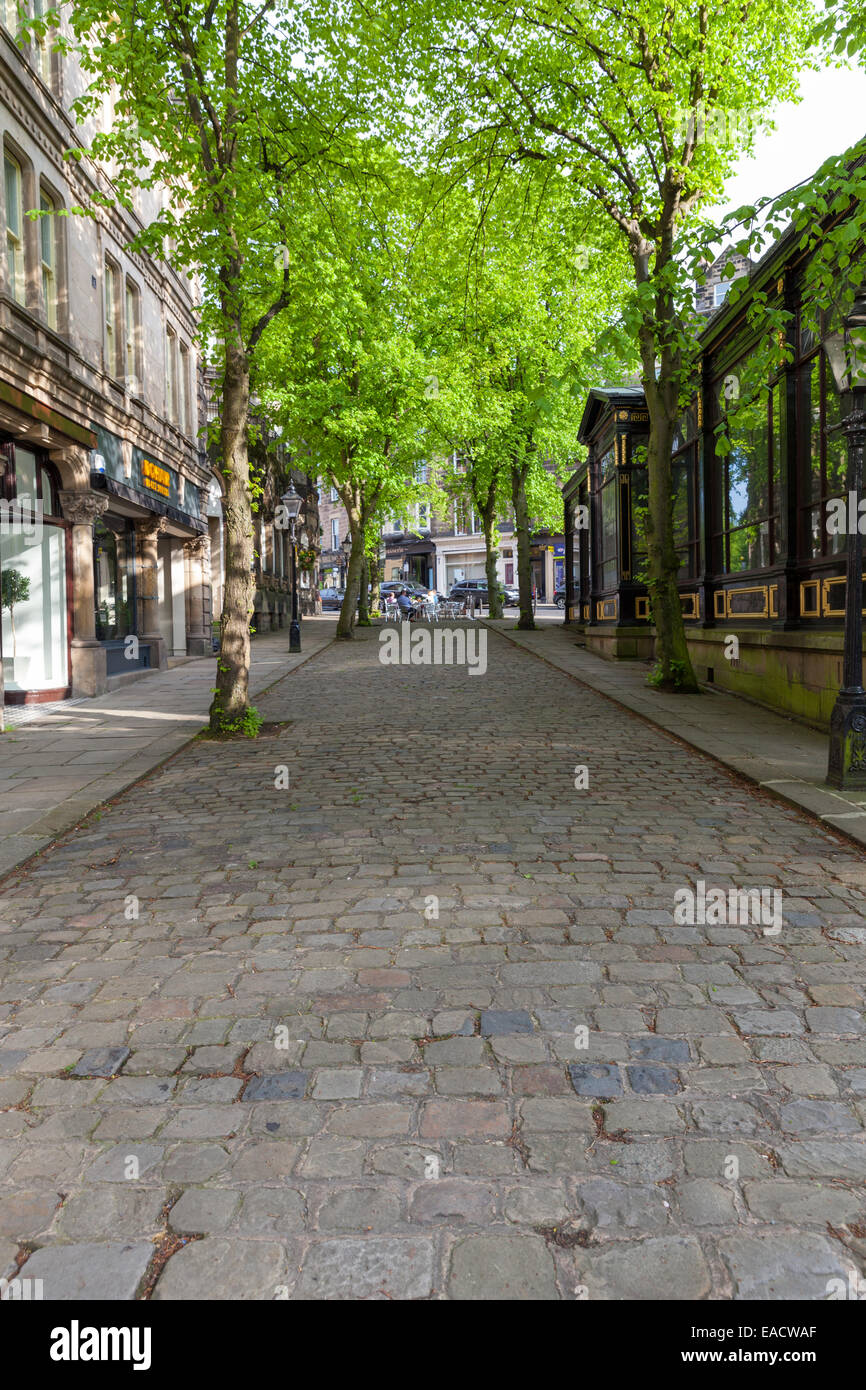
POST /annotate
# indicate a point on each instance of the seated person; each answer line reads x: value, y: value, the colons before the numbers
x: 404, y: 603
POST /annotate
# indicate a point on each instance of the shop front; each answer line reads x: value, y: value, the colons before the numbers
x: 34, y: 578
x: 151, y: 563
x: 104, y: 565
x: 409, y: 557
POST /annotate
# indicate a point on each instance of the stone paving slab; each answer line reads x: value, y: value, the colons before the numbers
x: 59, y: 768
x: 425, y: 1024
x: 783, y: 756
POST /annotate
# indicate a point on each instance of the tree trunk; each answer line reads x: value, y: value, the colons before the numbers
x: 488, y: 521
x: 231, y: 696
x: 489, y: 562
x: 363, y: 601
x: 662, y: 363
x: 673, y: 664
x: 375, y: 584
x: 346, y: 621
x: 524, y: 562
x: 673, y: 670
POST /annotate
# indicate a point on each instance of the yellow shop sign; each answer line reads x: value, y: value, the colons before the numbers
x: 154, y: 478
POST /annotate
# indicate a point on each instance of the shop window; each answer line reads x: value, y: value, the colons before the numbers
x: 34, y: 608
x: 684, y: 473
x: 608, y: 537
x: 113, y: 340
x: 820, y: 410
x: 132, y: 320
x: 15, y: 267
x: 114, y: 577
x: 747, y: 474
x: 48, y: 253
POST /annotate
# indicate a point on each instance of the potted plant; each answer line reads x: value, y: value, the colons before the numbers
x: 14, y: 588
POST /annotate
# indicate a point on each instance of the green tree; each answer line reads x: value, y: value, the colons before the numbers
x: 229, y: 107
x: 643, y: 112
x: 524, y: 329
x: 343, y: 368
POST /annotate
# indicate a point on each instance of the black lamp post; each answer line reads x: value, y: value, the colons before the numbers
x: 346, y: 547
x: 846, y: 353
x: 291, y: 500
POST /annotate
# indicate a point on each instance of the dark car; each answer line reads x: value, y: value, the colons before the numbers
x: 396, y: 586
x: 477, y: 589
x: 417, y: 592
x: 331, y: 599
x: 559, y: 596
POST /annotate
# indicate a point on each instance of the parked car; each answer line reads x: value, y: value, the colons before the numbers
x: 477, y: 589
x: 331, y: 599
x: 559, y: 596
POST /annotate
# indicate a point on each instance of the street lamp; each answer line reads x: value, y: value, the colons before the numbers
x: 846, y: 353
x: 291, y: 500
x: 346, y: 547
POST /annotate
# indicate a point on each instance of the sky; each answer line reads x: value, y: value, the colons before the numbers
x: 830, y: 117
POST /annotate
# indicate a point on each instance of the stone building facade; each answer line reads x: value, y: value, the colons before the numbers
x: 109, y: 506
x: 333, y: 530
x: 712, y: 294
x: 275, y: 468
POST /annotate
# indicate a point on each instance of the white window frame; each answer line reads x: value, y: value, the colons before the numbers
x: 132, y: 324
x: 41, y: 44
x: 48, y: 264
x: 184, y: 358
x: 111, y: 306
x: 16, y: 266
x: 171, y: 400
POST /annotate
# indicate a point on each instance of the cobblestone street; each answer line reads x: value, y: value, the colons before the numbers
x: 422, y: 1024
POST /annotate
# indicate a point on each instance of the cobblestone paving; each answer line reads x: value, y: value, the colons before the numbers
x: 288, y: 1077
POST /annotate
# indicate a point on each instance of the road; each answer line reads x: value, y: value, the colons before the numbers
x: 392, y: 1003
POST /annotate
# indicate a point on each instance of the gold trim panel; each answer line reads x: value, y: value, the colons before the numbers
x: 761, y: 589
x: 602, y: 604
x: 826, y: 584
x: 811, y: 586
